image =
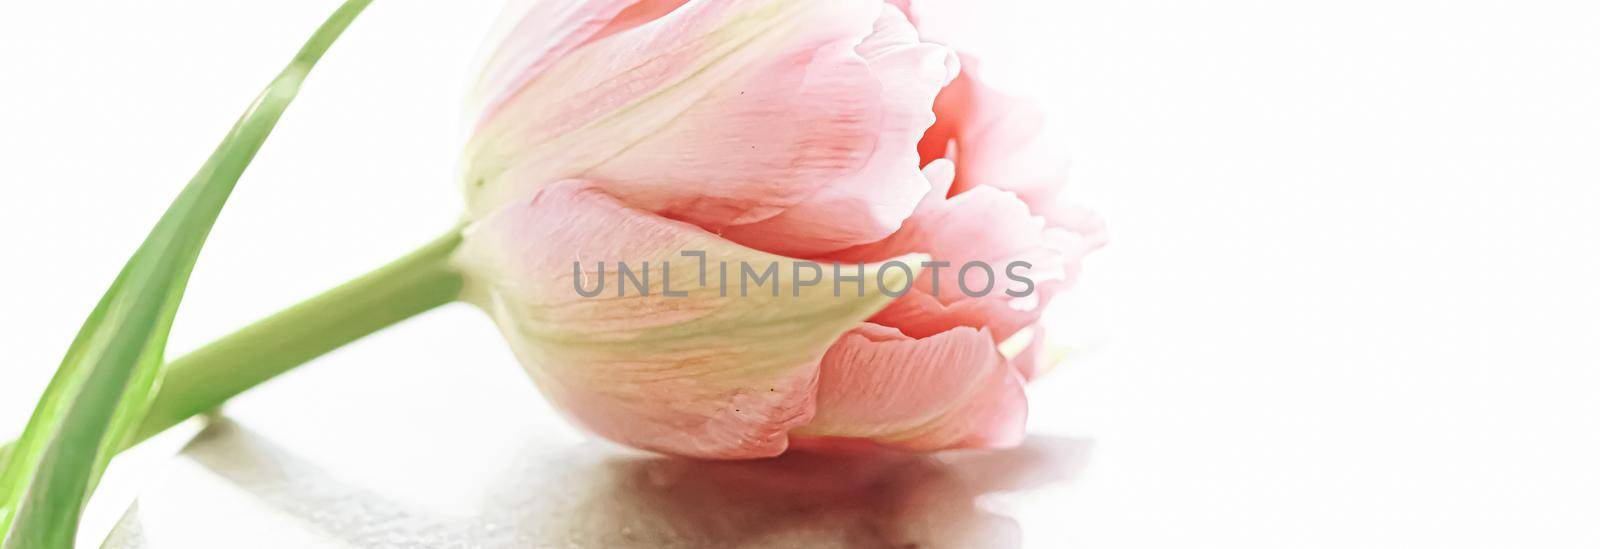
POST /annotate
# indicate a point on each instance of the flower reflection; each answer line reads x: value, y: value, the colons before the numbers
x: 592, y: 497
x: 595, y: 495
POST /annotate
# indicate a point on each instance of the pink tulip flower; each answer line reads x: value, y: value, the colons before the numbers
x: 690, y: 134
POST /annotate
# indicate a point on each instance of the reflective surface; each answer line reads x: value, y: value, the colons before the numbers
x: 236, y: 487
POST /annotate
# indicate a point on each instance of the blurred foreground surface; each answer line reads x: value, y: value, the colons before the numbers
x: 234, y: 487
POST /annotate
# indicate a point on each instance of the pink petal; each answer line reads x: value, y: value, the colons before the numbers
x: 942, y: 21
x: 1030, y: 361
x: 922, y: 315
x: 904, y: 6
x: 989, y: 227
x: 869, y: 203
x: 995, y: 140
x: 787, y: 125
x: 704, y: 375
x: 951, y: 390
x: 535, y: 33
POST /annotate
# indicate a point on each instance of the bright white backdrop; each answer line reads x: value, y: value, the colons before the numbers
x: 1350, y: 301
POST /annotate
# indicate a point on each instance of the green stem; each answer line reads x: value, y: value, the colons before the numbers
x: 202, y: 380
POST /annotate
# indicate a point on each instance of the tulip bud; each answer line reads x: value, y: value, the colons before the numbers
x: 637, y: 164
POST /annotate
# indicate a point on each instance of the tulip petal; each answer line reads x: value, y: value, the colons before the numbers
x: 785, y: 125
x: 992, y: 229
x: 995, y: 140
x: 1030, y: 353
x: 532, y: 34
x: 870, y: 203
x: 703, y: 374
x: 949, y: 22
x: 951, y: 390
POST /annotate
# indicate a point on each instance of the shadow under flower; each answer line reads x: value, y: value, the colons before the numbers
x: 595, y: 495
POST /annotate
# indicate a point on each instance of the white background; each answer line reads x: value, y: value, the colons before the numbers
x: 1350, y: 300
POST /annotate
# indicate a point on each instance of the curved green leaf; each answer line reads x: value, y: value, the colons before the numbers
x: 108, y: 377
